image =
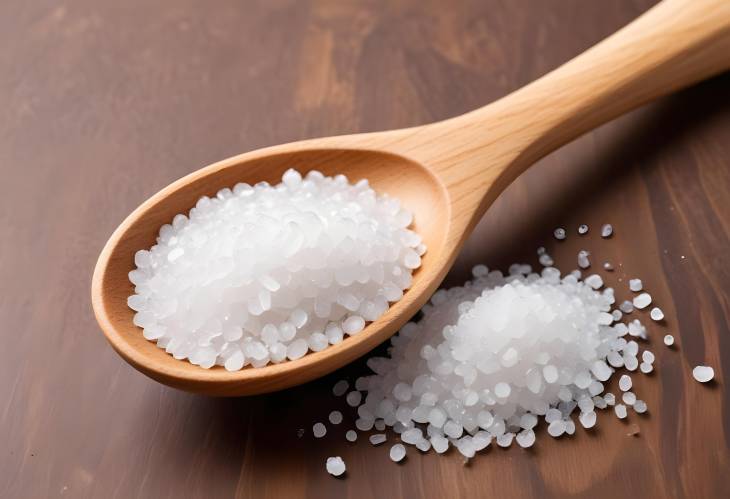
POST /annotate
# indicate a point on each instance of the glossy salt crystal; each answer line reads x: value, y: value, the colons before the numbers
x: 629, y: 398
x: 640, y: 406
x: 656, y: 314
x: 559, y: 233
x: 620, y: 411
x: 635, y: 285
x: 703, y: 374
x: 668, y: 340
x: 351, y: 435
x: 335, y: 417
x: 626, y: 307
x: 525, y: 438
x: 582, y: 229
x: 606, y: 230
x: 642, y: 301
x: 397, y: 453
x: 335, y: 466
x: 377, y: 439
x: 340, y: 388
x: 319, y: 430
x: 624, y: 383
x: 587, y: 419
x: 583, y: 261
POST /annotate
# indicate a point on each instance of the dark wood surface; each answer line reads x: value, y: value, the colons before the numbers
x: 104, y: 103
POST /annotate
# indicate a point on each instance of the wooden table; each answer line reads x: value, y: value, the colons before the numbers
x: 104, y: 103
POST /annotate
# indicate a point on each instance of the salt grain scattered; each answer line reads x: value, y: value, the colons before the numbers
x: 335, y: 466
x: 635, y: 285
x: 377, y: 438
x: 606, y: 230
x: 656, y: 314
x: 582, y: 229
x: 351, y: 435
x: 642, y: 301
x: 397, y: 453
x: 703, y: 374
x: 319, y: 430
x: 583, y: 261
x: 340, y: 388
x: 559, y: 233
x: 669, y: 340
x: 335, y: 417
x: 624, y: 383
x: 620, y: 411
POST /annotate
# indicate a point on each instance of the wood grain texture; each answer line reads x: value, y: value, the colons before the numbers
x: 105, y: 103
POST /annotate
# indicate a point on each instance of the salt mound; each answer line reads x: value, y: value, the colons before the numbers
x: 265, y: 273
x: 488, y: 358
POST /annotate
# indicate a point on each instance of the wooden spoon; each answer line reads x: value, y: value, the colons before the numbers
x: 446, y: 173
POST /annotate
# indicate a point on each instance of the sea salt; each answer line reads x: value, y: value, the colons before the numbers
x: 703, y: 374
x: 668, y: 340
x: 319, y: 430
x: 261, y: 274
x: 335, y: 417
x: 397, y: 453
x: 335, y: 466
x: 351, y: 435
x: 583, y: 261
x: 378, y: 438
x: 642, y: 301
x: 582, y: 229
x: 606, y: 230
x: 656, y: 314
x: 559, y: 233
x: 488, y: 360
x: 635, y: 285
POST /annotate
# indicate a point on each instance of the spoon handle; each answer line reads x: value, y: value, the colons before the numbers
x: 673, y: 45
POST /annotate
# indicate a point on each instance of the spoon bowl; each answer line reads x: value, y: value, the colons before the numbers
x: 446, y: 173
x: 416, y: 187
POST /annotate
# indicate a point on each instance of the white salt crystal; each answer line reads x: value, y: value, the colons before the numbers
x: 594, y: 281
x: 629, y: 398
x: 525, y: 438
x: 335, y: 417
x: 505, y: 439
x: 703, y: 374
x: 656, y: 314
x: 559, y: 233
x: 583, y: 261
x: 377, y: 438
x: 582, y: 229
x: 624, y: 383
x: 642, y: 301
x: 620, y: 411
x: 647, y: 356
x: 439, y: 444
x: 351, y: 435
x: 587, y: 419
x: 606, y: 230
x: 340, y: 388
x: 635, y: 285
x: 646, y: 368
x: 626, y: 307
x: 556, y: 428
x: 335, y: 466
x: 640, y: 406
x: 319, y: 430
x: 353, y: 398
x: 397, y: 453
x: 669, y: 340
